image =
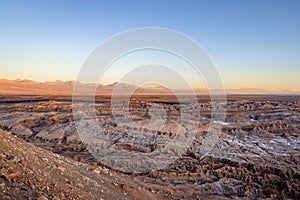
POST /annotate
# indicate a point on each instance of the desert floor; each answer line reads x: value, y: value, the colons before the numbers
x: 257, y: 153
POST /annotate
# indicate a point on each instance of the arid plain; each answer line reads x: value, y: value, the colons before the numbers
x: 256, y: 156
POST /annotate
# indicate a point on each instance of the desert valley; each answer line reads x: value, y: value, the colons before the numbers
x: 257, y: 154
x: 149, y: 100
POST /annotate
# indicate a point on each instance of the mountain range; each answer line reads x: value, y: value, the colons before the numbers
x: 29, y: 87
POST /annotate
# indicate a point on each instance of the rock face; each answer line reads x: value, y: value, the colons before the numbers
x: 257, y: 155
x: 21, y: 130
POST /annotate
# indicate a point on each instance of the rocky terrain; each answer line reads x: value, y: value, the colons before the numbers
x: 256, y: 156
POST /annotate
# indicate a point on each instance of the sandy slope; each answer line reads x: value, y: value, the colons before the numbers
x: 29, y: 172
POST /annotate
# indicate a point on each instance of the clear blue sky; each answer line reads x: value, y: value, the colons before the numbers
x: 254, y: 43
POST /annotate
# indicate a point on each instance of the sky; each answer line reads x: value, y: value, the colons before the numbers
x: 253, y: 43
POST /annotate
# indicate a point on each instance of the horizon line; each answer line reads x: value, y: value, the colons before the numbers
x: 259, y: 90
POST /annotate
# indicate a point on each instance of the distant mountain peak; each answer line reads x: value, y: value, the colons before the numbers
x: 58, y: 87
